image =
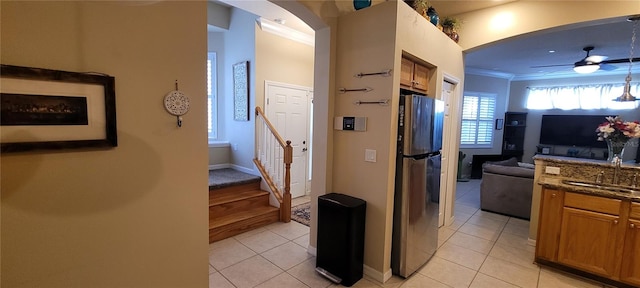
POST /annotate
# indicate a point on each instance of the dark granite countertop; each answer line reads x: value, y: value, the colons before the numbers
x: 582, y: 161
x: 557, y: 183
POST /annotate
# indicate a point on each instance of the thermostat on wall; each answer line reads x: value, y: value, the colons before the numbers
x: 350, y: 123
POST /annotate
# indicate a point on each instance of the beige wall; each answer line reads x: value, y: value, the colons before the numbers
x: 475, y: 33
x: 134, y: 215
x: 281, y: 60
x: 372, y: 40
x: 366, y: 43
x: 119, y: 217
x: 271, y: 58
x: 219, y: 155
x: 485, y: 26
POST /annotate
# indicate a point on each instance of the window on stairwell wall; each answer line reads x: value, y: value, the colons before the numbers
x: 212, y: 88
x: 478, y: 114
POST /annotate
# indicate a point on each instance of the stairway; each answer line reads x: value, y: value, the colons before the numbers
x: 237, y: 208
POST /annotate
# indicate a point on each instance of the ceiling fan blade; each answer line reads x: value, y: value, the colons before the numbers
x: 607, y: 67
x: 595, y: 58
x: 556, y: 65
x: 617, y: 61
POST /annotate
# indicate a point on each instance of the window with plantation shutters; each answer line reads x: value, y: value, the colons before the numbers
x: 212, y: 111
x: 478, y: 111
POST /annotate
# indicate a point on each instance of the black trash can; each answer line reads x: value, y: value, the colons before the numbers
x: 340, y: 245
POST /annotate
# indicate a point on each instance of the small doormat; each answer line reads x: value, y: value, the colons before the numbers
x: 301, y: 213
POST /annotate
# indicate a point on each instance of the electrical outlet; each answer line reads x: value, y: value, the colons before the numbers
x: 552, y: 170
x: 370, y: 155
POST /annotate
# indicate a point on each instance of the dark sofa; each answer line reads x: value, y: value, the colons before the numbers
x: 507, y: 187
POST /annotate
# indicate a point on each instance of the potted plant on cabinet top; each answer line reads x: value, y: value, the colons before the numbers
x: 423, y: 7
x: 420, y: 6
x: 449, y: 27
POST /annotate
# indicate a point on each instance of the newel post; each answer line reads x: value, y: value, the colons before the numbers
x: 285, y: 209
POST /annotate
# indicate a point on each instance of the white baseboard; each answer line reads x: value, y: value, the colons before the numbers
x: 219, y: 166
x: 376, y: 275
x: 312, y: 250
x: 245, y: 170
x: 531, y: 242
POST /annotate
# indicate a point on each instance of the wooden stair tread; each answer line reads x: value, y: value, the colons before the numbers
x: 222, y: 198
x: 241, y: 216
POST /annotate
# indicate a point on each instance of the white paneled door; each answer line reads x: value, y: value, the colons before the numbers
x: 447, y: 90
x: 287, y: 107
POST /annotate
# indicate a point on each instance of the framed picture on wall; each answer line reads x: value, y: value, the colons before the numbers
x: 51, y: 109
x: 241, y: 91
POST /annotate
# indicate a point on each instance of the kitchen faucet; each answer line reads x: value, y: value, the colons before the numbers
x: 599, y: 177
x: 616, y: 171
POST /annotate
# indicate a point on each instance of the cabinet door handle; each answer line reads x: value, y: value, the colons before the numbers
x: 615, y: 221
x: 632, y: 225
x: 553, y: 195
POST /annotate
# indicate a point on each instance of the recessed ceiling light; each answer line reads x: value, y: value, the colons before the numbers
x: 552, y: 51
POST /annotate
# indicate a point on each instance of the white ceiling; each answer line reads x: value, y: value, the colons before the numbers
x: 269, y: 11
x: 516, y: 57
x: 510, y: 58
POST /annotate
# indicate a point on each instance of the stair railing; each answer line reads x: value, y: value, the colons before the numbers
x: 274, y: 163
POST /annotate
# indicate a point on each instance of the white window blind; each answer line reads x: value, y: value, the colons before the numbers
x: 478, y: 110
x: 585, y: 97
x: 212, y: 113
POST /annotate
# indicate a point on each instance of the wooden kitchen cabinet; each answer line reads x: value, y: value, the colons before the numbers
x: 414, y: 76
x: 630, y: 272
x: 551, y: 219
x: 592, y: 234
x: 588, y: 241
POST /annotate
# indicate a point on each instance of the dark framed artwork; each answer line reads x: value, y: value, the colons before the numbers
x: 42, y: 109
x: 241, y: 91
x: 499, y: 124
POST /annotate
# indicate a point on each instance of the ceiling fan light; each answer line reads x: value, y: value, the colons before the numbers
x: 586, y: 69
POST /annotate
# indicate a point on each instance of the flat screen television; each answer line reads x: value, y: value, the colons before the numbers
x: 571, y: 130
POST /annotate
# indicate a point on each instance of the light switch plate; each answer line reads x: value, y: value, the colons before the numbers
x: 370, y: 155
x: 552, y: 170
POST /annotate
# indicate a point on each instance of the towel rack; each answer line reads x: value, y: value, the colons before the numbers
x: 365, y: 89
x: 382, y: 102
x: 384, y: 73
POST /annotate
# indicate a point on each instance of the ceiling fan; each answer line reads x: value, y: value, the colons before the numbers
x: 592, y: 63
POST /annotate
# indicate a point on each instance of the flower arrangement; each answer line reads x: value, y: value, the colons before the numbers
x: 615, y: 130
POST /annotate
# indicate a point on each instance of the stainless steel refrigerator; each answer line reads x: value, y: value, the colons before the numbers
x: 417, y: 183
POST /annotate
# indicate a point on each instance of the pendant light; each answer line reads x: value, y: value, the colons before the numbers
x: 626, y: 95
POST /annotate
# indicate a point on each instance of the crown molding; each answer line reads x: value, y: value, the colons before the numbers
x: 286, y: 32
x: 489, y: 73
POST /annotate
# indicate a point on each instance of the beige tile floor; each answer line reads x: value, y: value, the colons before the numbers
x: 480, y: 249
